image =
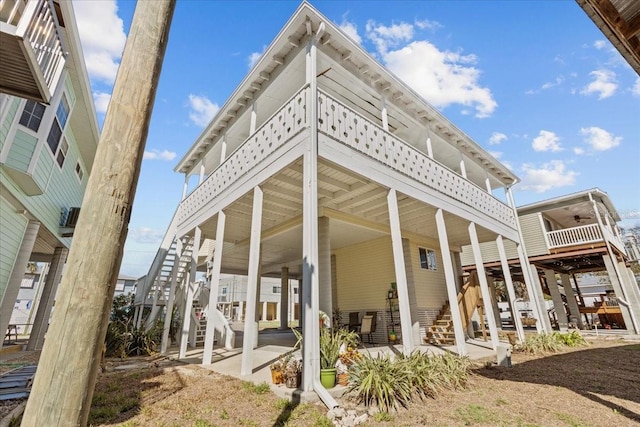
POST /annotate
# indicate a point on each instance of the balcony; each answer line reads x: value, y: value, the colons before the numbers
x: 589, y: 234
x: 340, y: 123
x: 31, y: 48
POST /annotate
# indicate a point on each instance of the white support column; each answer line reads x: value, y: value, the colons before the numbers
x: 41, y: 322
x: 186, y: 321
x: 202, y: 172
x: 506, y: 272
x: 463, y: 168
x: 284, y: 298
x: 401, y: 277
x: 214, y: 289
x: 241, y: 311
x: 324, y: 267
x: 429, y: 148
x: 8, y: 300
x: 265, y: 309
x: 630, y: 321
x: 254, y: 118
x: 223, y: 148
x: 631, y: 288
x: 571, y: 300
x: 278, y: 310
x: 487, y: 182
x: 250, y: 329
x: 385, y: 119
x: 558, y: 304
x: 172, y: 296
x: 539, y: 296
x: 450, y: 278
x: 484, y: 287
x: 539, y: 311
x: 185, y: 186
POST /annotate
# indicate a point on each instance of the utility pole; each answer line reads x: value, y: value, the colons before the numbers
x: 66, y: 376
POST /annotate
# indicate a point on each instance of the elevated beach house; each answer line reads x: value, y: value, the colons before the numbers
x: 323, y: 166
x: 568, y: 239
x: 48, y: 139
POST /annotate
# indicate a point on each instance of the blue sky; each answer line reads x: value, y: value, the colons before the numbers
x: 534, y: 82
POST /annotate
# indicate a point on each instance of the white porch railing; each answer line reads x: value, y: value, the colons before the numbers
x: 574, y: 236
x: 352, y: 129
x: 274, y: 133
x: 36, y: 23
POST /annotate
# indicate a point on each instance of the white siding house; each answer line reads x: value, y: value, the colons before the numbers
x: 46, y: 150
x: 324, y: 167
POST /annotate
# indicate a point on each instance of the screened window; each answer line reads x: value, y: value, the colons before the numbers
x: 57, y: 143
x: 62, y: 152
x: 63, y: 111
x: 79, y: 171
x: 428, y: 259
x: 32, y: 115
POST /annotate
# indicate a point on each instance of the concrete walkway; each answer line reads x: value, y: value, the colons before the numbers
x: 272, y: 343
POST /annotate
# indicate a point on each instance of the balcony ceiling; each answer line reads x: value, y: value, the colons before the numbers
x: 357, y: 209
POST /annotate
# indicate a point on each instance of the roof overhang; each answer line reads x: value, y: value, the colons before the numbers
x: 335, y: 43
x: 619, y: 21
x: 571, y: 199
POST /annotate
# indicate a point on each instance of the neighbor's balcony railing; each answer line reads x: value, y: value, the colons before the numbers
x: 33, y: 51
x: 584, y: 234
x: 350, y: 128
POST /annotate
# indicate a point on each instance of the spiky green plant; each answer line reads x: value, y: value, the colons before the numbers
x: 571, y: 339
x: 542, y: 343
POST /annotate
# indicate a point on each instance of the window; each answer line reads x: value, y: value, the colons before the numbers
x: 224, y: 291
x: 276, y: 289
x: 295, y: 291
x: 79, y: 171
x: 32, y: 115
x: 428, y: 259
x: 57, y: 143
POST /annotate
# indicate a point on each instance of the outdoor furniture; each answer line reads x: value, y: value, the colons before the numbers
x: 366, y: 328
x: 11, y: 329
x: 374, y: 320
x: 354, y: 321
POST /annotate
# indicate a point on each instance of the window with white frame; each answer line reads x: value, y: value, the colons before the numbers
x: 428, y: 259
x: 32, y: 115
x: 79, y: 171
x: 224, y: 291
x: 56, y: 140
x: 276, y: 290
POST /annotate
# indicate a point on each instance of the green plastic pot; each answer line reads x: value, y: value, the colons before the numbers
x: 328, y: 377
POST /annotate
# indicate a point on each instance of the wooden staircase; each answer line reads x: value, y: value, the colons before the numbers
x: 469, y: 299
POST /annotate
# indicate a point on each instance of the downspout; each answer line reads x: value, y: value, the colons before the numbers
x: 614, y: 262
x: 312, y: 318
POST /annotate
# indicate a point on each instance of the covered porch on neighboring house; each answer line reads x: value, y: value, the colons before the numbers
x: 322, y: 166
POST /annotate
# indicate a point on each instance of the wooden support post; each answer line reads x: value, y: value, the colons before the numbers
x: 64, y: 383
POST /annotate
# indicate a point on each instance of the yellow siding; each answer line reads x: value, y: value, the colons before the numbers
x: 365, y: 271
x: 431, y: 287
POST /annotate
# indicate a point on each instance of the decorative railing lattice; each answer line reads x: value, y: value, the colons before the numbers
x: 352, y: 129
x: 274, y: 133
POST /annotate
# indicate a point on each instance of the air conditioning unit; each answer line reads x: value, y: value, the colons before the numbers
x: 68, y: 221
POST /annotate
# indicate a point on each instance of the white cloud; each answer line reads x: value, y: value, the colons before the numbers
x: 604, y: 84
x: 158, y: 155
x: 351, y: 30
x: 546, y: 141
x: 385, y: 37
x: 101, y: 101
x: 579, y: 151
x: 146, y: 235
x: 497, y: 138
x: 549, y: 175
x: 600, y: 44
x: 426, y: 24
x: 441, y: 77
x: 202, y: 110
x: 636, y: 87
x: 599, y: 139
x: 255, y: 57
x: 547, y: 85
x: 102, y: 36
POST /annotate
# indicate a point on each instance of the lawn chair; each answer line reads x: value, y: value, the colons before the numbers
x: 366, y: 328
x: 354, y: 321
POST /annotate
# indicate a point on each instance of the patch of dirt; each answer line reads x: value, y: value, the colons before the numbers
x: 588, y: 386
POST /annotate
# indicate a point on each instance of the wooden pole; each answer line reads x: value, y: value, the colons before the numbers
x: 65, y: 379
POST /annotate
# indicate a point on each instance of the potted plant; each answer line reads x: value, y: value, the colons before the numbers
x: 278, y: 368
x: 392, y: 336
x: 329, y: 355
x: 292, y: 373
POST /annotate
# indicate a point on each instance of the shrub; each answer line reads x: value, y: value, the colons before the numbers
x: 571, y: 339
x: 551, y: 343
x: 392, y: 382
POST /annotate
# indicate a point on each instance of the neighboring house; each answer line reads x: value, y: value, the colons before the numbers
x: 566, y: 238
x: 125, y: 285
x: 323, y: 166
x: 46, y: 149
x: 619, y: 21
x: 232, y: 298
